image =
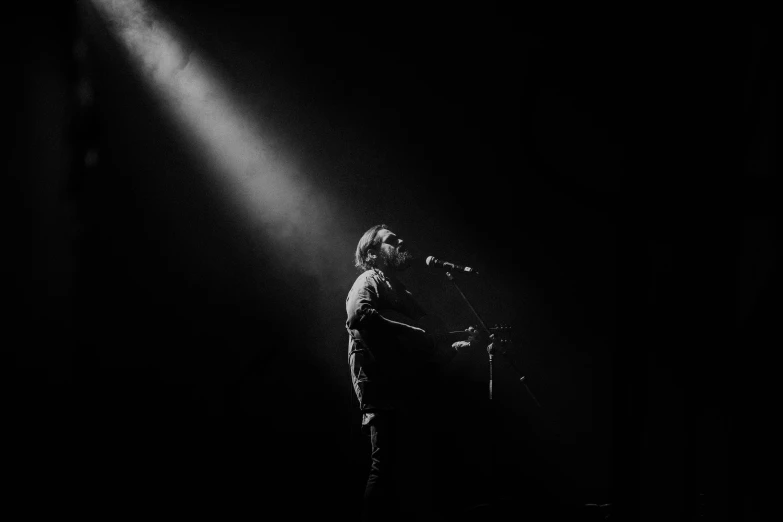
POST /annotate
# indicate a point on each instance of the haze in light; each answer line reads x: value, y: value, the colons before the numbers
x: 264, y: 182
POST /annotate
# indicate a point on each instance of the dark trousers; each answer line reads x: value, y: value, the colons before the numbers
x: 381, y: 501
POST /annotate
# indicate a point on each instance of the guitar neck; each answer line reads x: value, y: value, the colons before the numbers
x: 435, y: 327
x: 454, y: 336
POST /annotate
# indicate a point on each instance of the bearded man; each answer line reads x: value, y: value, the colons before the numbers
x: 390, y: 353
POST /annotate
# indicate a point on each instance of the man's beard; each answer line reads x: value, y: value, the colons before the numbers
x: 398, y: 260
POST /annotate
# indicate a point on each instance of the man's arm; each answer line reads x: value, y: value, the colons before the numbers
x: 379, y: 322
x: 363, y: 316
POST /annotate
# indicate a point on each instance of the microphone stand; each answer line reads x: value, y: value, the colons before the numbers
x: 491, y: 348
x: 493, y: 414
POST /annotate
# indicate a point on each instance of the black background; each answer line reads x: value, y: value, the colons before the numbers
x: 613, y: 183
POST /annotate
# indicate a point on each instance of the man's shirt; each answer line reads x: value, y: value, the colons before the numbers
x: 382, y: 365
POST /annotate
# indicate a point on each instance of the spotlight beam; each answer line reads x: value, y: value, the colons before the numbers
x: 262, y: 179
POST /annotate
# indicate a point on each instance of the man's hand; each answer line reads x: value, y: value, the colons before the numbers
x: 460, y: 345
x: 479, y: 338
x: 476, y: 339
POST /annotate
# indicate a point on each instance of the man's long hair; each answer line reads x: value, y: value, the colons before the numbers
x: 369, y: 240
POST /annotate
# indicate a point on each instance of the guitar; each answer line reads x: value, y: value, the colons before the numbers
x: 443, y: 339
x: 399, y: 358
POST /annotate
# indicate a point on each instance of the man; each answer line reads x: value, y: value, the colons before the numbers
x: 391, y: 353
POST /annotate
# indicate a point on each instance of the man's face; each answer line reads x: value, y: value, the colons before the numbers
x: 392, y: 251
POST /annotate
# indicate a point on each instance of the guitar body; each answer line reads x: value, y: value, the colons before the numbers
x: 408, y: 366
x: 433, y: 325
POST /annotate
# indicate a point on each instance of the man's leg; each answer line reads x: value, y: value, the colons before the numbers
x: 380, y: 496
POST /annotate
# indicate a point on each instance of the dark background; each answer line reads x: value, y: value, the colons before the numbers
x: 613, y: 184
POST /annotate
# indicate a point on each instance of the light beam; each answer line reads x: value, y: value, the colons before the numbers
x: 263, y: 179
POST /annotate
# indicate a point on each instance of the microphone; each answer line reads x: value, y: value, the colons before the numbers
x: 433, y: 261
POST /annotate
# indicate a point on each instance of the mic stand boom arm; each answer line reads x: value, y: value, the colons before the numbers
x: 490, y: 348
